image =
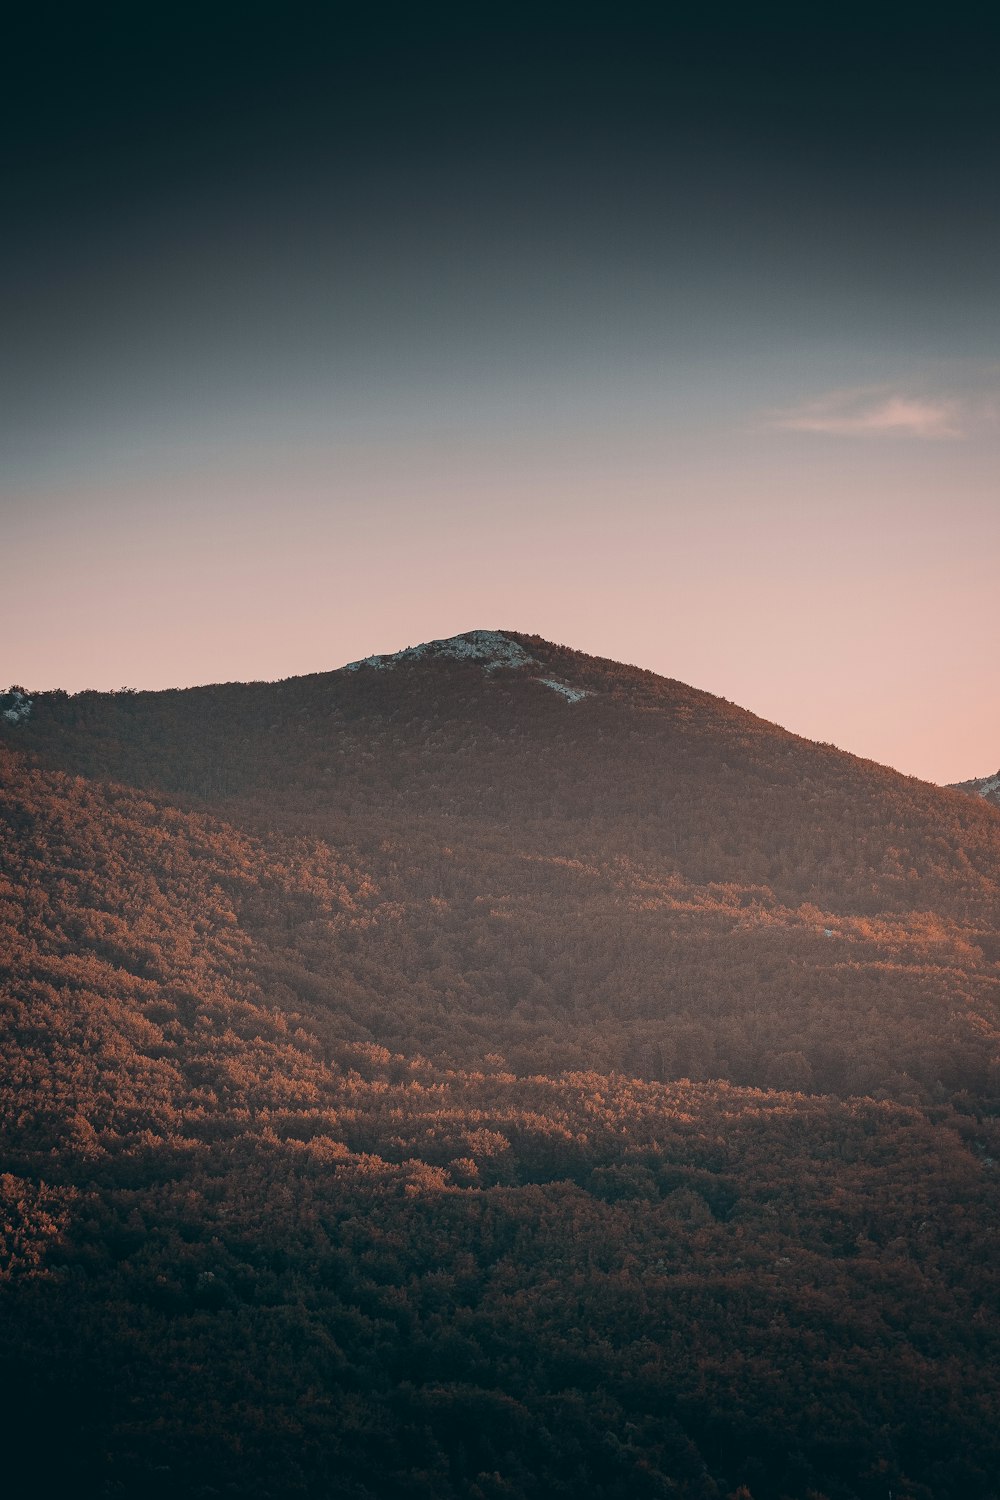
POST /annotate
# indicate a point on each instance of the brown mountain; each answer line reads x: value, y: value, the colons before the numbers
x: 492, y: 1071
x: 641, y: 877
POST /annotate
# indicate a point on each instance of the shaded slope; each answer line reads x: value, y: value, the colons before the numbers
x: 613, y: 1291
x: 641, y: 764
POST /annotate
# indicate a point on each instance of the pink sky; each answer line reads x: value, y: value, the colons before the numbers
x: 843, y: 587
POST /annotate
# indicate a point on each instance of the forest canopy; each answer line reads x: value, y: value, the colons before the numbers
x: 419, y: 1082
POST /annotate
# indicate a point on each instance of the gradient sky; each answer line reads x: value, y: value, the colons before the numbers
x: 329, y: 330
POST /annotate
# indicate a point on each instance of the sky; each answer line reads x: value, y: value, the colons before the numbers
x: 668, y: 333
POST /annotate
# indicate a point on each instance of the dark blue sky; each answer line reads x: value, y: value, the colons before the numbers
x: 204, y: 199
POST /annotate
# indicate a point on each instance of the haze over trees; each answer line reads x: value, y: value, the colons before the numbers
x: 493, y: 1072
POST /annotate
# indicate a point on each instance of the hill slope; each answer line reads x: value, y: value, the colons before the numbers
x: 420, y: 1082
x: 645, y: 878
x: 640, y: 760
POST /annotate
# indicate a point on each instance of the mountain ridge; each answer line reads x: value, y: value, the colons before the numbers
x: 495, y: 649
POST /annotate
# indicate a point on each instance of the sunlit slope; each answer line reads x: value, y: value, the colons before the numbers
x: 643, y: 879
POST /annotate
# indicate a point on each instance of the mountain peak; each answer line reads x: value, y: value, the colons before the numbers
x: 491, y: 647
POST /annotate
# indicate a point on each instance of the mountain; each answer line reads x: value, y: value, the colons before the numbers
x: 489, y: 1070
x: 643, y: 877
x: 981, y: 786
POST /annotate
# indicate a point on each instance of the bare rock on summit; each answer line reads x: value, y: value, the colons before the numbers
x: 987, y: 787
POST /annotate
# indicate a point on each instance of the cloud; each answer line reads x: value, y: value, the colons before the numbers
x: 876, y: 411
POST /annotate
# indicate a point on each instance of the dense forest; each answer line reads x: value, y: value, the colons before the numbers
x: 476, y: 1076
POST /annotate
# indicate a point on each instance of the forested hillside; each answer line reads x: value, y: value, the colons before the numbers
x: 640, y: 764
x: 471, y: 1077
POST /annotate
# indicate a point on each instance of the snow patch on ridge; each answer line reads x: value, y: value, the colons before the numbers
x: 980, y: 786
x: 487, y: 646
x: 16, y: 706
x: 571, y: 693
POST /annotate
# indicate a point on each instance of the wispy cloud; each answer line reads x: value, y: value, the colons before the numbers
x: 876, y: 411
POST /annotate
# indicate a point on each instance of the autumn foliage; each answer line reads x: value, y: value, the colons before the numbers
x: 416, y: 1084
